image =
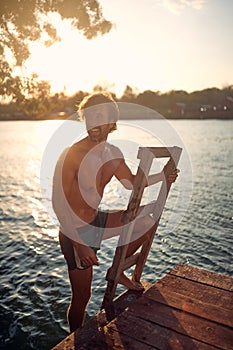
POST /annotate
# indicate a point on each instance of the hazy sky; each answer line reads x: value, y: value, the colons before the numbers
x: 154, y: 44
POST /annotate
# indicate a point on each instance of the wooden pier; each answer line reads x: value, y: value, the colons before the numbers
x: 188, y: 309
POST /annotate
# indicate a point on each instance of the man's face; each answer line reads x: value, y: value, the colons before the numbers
x: 97, y: 123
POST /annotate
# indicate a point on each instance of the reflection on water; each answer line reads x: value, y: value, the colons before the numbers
x: 34, y: 287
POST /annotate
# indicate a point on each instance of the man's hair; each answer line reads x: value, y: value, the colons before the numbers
x: 99, y: 98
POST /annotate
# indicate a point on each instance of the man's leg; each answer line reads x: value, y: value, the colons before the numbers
x: 143, y: 228
x: 80, y: 281
x: 138, y: 238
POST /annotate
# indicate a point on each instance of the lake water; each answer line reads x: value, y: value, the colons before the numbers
x: 196, y: 227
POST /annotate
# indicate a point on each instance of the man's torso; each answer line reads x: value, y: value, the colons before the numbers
x: 92, y: 169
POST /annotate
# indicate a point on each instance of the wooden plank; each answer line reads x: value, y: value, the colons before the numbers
x: 123, y: 300
x: 195, y: 290
x: 65, y: 344
x: 156, y: 336
x: 95, y: 343
x: 108, y: 339
x: 119, y: 341
x: 195, y: 306
x: 203, y: 276
x: 184, y: 323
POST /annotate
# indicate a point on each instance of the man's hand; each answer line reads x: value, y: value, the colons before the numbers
x: 173, y: 176
x: 86, y: 255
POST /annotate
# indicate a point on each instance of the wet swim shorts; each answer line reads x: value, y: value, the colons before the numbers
x: 91, y: 234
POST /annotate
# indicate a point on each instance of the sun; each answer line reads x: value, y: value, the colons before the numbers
x: 59, y: 62
x: 75, y: 63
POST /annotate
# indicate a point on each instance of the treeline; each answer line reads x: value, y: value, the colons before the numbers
x: 208, y: 103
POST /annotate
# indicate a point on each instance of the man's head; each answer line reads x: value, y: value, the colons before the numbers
x: 91, y: 105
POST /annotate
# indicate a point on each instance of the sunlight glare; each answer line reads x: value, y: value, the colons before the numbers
x: 45, y: 130
x: 71, y: 65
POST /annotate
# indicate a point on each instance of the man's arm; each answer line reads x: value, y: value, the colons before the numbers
x: 125, y: 176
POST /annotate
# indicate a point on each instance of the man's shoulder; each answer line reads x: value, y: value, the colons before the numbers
x: 75, y: 152
x: 116, y: 152
x: 79, y: 147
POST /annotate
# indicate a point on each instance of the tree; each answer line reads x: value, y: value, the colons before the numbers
x: 37, y: 103
x: 24, y: 21
x: 149, y: 99
x: 129, y: 94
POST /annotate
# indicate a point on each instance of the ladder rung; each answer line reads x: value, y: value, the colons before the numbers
x: 158, y: 152
x: 147, y: 209
x: 130, y: 261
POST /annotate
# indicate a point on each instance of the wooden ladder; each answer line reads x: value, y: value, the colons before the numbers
x: 154, y: 208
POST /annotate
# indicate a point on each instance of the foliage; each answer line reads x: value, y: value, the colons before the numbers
x: 208, y: 103
x: 37, y: 103
x: 128, y: 95
x: 24, y: 21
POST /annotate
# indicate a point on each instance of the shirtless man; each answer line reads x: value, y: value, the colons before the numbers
x: 82, y: 172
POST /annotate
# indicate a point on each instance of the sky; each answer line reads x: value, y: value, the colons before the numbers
x: 157, y: 45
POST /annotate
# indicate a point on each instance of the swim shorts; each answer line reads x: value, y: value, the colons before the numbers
x: 91, y: 234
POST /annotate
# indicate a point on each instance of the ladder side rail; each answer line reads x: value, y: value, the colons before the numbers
x: 112, y: 277
x: 115, y: 270
x: 171, y: 165
x: 140, y: 182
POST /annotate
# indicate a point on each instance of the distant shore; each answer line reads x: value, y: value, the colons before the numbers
x: 210, y: 103
x: 225, y: 116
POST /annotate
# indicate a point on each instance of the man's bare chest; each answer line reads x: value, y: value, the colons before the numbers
x: 106, y: 172
x: 96, y: 173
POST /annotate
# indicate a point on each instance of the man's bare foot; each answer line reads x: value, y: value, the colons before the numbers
x: 132, y: 285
